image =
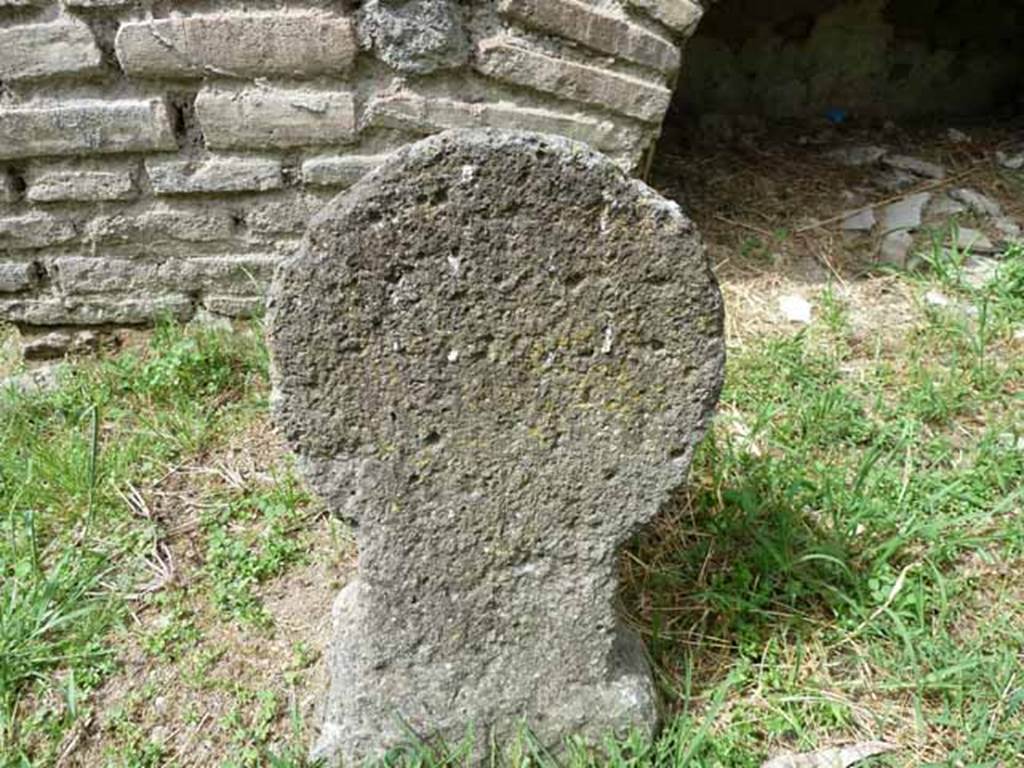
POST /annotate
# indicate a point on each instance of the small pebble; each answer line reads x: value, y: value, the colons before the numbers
x: 1011, y: 161
x: 796, y: 309
x: 980, y: 271
x: 1007, y: 228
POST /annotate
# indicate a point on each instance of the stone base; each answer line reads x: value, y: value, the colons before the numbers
x: 370, y: 711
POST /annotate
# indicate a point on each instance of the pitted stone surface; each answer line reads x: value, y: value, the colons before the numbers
x: 495, y: 354
x: 415, y: 36
x: 248, y: 115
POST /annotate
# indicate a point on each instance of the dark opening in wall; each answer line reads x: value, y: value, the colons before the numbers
x: 864, y: 59
x: 800, y: 129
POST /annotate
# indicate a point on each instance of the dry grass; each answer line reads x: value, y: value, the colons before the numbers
x: 773, y: 202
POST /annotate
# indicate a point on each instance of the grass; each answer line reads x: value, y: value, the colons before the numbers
x: 73, y: 549
x: 847, y: 562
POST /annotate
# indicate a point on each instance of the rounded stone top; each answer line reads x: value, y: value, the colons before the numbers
x: 492, y: 310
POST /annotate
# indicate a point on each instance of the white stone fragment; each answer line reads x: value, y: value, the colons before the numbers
x: 895, y: 248
x: 977, y: 202
x: 905, y: 214
x: 944, y: 206
x: 85, y: 127
x: 860, y: 221
x: 972, y: 240
x: 858, y: 156
x: 795, y: 309
x: 916, y: 166
x: 1011, y: 161
x: 596, y: 29
x: 1008, y: 228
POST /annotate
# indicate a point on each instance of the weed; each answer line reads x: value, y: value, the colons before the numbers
x: 71, y: 547
x: 239, y: 559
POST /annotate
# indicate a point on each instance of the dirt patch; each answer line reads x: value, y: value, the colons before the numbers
x: 196, y: 687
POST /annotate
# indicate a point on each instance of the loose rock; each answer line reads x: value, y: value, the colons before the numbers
x: 972, y: 240
x: 916, y: 166
x: 1012, y: 161
x: 977, y: 202
x: 1007, y: 227
x: 944, y: 206
x: 860, y: 221
x: 35, y: 381
x: 858, y: 156
x: 892, y: 180
x: 895, y: 248
x: 905, y: 214
x: 796, y: 309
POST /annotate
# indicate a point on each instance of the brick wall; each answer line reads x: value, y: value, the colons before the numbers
x: 159, y: 158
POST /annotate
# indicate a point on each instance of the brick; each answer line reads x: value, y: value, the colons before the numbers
x: 595, y: 29
x: 70, y: 183
x: 602, y: 134
x: 57, y: 344
x: 96, y: 310
x: 339, y: 171
x: 410, y: 111
x: 35, y: 230
x: 264, y: 118
x: 173, y: 176
x: 16, y: 277
x: 243, y: 275
x: 590, y: 85
x: 85, y: 127
x: 235, y: 306
x: 252, y: 45
x: 161, y: 225
x: 288, y: 216
x: 679, y: 15
x: 34, y: 51
x: 79, y: 275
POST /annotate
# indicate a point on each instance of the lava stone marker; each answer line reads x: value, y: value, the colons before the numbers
x: 495, y: 356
